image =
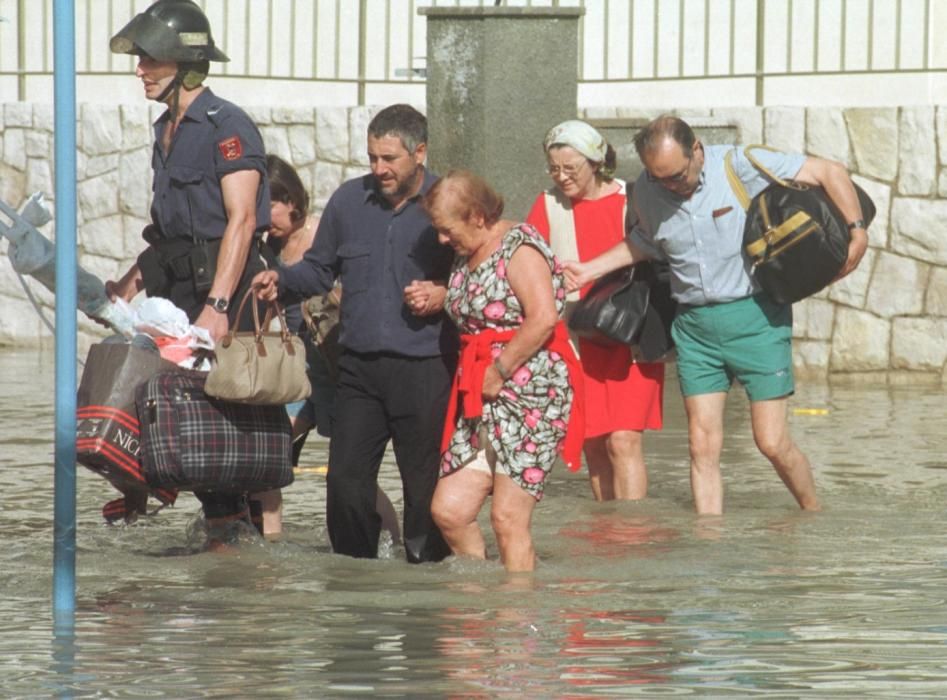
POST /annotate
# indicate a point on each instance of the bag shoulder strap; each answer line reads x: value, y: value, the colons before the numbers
x: 736, y: 184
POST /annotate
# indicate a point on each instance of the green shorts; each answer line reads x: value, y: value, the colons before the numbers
x: 749, y: 340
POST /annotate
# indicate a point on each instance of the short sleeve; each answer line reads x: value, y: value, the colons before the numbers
x: 238, y: 146
x: 527, y: 234
x: 783, y: 165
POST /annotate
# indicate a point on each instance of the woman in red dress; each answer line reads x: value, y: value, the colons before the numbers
x: 581, y: 216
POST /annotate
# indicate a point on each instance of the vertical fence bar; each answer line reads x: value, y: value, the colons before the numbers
x: 680, y: 38
x: 88, y: 38
x: 789, y: 17
x: 927, y: 35
x: 655, y: 35
x: 21, y: 50
x: 760, y: 50
x: 270, y: 24
x: 733, y: 35
x: 897, y: 37
x: 844, y: 37
x: 362, y: 49
x: 631, y: 39
x: 64, y: 515
x: 292, y: 40
x: 110, y: 18
x: 314, y: 46
x: 247, y: 48
x: 817, y: 21
x: 871, y: 34
x: 387, y: 68
x: 605, y: 41
x: 412, y: 14
x: 338, y: 39
x: 706, y: 67
x: 581, y: 47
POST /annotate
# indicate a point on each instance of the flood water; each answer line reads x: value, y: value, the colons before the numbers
x: 629, y: 600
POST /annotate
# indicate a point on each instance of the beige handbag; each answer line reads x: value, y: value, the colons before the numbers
x: 259, y: 367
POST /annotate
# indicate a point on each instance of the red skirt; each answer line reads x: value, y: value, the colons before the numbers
x: 620, y: 394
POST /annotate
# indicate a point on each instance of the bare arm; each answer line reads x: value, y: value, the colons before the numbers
x: 239, y: 191
x: 834, y: 179
x: 622, y: 254
x: 127, y: 287
x: 531, y: 282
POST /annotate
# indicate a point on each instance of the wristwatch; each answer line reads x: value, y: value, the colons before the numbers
x: 218, y: 303
x: 857, y: 223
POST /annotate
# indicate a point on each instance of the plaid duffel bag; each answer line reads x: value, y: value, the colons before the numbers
x: 194, y: 442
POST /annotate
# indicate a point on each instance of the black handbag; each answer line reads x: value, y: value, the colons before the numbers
x: 193, y: 442
x: 613, y: 311
x: 630, y: 306
x: 795, y: 237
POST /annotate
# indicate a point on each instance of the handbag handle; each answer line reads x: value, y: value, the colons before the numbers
x: 258, y: 330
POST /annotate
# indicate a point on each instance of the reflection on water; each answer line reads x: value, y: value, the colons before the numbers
x: 634, y: 599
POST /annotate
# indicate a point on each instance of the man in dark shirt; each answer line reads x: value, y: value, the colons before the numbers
x: 211, y: 195
x: 399, y: 350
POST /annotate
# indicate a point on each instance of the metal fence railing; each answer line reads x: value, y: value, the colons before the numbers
x: 367, y: 42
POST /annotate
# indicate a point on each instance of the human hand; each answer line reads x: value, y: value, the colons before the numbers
x: 856, y: 251
x: 576, y: 275
x: 214, y: 322
x: 127, y: 287
x: 266, y: 284
x: 425, y: 297
x: 492, y: 383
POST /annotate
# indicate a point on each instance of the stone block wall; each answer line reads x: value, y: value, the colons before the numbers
x: 886, y: 322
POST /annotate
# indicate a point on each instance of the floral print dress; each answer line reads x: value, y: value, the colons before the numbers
x: 527, y: 422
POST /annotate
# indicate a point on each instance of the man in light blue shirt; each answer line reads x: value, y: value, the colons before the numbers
x: 726, y: 328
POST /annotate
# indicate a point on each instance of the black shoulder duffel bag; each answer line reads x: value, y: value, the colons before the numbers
x: 795, y: 237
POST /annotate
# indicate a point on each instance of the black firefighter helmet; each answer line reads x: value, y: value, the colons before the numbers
x: 169, y: 30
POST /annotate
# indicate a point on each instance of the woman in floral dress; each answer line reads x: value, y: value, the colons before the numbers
x: 512, y: 411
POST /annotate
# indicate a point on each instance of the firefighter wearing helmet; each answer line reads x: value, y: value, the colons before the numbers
x: 211, y: 199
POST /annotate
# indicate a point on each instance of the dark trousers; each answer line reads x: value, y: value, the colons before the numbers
x: 382, y: 397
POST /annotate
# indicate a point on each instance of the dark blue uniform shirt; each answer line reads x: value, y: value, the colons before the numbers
x: 377, y: 251
x: 215, y: 138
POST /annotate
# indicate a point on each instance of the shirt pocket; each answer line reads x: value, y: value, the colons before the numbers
x: 729, y: 233
x: 184, y: 191
x: 355, y: 268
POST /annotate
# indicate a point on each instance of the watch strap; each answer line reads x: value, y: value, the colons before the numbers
x: 857, y: 223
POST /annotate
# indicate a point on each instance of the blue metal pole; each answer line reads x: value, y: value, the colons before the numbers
x: 64, y: 518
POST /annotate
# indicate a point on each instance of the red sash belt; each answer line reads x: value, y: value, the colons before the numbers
x: 476, y: 357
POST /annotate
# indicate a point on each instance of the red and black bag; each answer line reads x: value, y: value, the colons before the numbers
x: 193, y: 442
x: 108, y: 437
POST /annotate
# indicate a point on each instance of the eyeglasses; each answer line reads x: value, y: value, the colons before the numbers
x: 570, y: 170
x: 675, y: 179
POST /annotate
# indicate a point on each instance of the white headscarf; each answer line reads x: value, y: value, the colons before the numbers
x: 582, y: 137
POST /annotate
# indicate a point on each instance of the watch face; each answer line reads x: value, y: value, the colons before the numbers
x: 218, y: 304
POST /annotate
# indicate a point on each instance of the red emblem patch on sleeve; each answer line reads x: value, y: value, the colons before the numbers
x: 231, y: 148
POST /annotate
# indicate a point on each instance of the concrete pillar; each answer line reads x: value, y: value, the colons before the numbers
x: 497, y: 79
